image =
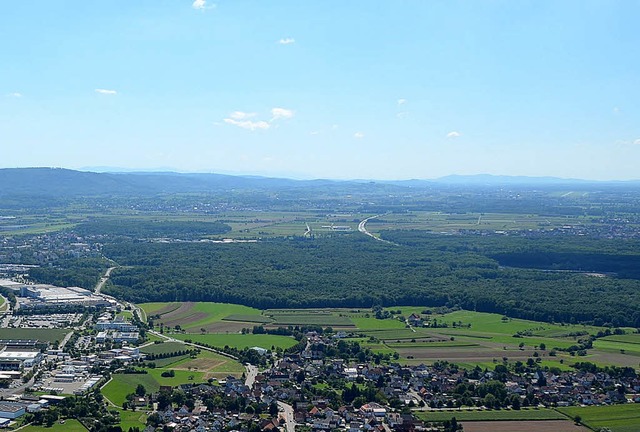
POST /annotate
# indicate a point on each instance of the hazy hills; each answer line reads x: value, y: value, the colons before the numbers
x: 58, y: 182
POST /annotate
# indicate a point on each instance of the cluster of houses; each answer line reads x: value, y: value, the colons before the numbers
x: 416, y: 387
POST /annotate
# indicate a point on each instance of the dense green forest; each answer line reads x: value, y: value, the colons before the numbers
x: 356, y: 271
x: 81, y: 272
x: 619, y: 256
x: 151, y: 228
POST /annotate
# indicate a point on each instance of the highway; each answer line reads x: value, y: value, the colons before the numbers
x: 103, y: 280
x: 362, y: 227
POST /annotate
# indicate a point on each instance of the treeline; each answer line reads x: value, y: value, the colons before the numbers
x: 355, y: 271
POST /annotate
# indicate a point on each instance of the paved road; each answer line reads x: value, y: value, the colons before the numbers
x: 250, y: 376
x: 362, y: 227
x: 287, y: 413
x: 65, y: 340
x: 103, y: 280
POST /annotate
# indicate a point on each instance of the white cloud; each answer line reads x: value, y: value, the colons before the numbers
x: 106, y: 92
x: 248, y: 124
x: 199, y: 4
x: 281, y: 113
x: 402, y: 101
x: 453, y: 134
x: 358, y: 135
x: 637, y: 142
x: 314, y: 133
x: 15, y: 95
x: 240, y: 115
x: 286, y: 41
x: 403, y: 114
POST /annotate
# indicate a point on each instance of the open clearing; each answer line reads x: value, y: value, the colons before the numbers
x: 241, y: 341
x: 193, y: 317
x: 165, y: 348
x: 50, y: 335
x: 489, y: 415
x: 618, y: 418
x: 122, y: 384
x: 212, y: 365
x: 523, y: 426
x: 70, y: 425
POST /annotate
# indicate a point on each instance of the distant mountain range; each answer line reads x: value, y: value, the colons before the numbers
x: 65, y: 182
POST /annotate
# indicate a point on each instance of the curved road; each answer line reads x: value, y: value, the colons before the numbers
x: 362, y: 227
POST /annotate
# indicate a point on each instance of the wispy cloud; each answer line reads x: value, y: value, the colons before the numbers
x: 286, y: 41
x: 314, y: 133
x: 281, y: 113
x: 242, y: 119
x: 240, y: 115
x: 248, y: 124
x: 106, y: 92
x: 402, y: 114
x: 202, y: 5
x: 402, y: 101
x: 637, y: 142
x: 453, y: 134
x: 358, y: 135
x: 15, y: 95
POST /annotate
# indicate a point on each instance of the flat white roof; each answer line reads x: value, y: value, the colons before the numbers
x: 18, y: 355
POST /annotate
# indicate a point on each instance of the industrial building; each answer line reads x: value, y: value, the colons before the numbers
x: 11, y: 360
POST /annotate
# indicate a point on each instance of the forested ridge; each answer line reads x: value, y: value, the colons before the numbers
x: 356, y: 271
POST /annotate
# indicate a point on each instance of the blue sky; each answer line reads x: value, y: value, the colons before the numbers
x: 332, y: 89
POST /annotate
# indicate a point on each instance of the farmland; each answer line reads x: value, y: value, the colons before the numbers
x: 50, y: 335
x: 489, y: 415
x: 618, y: 418
x: 240, y: 341
x: 464, y: 337
x: 523, y: 426
x: 69, y: 425
x: 193, y: 317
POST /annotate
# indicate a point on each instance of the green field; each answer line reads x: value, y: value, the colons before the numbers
x: 165, y: 347
x: 258, y: 319
x: 122, y: 384
x: 364, y: 323
x: 628, y: 344
x: 211, y: 364
x: 630, y: 338
x: 181, y: 377
x: 618, y: 418
x: 240, y: 341
x: 168, y: 363
x: 310, y: 318
x: 50, y: 335
x: 192, y: 317
x: 490, y: 415
x: 131, y: 419
x: 70, y: 425
x: 478, y: 339
x: 452, y: 222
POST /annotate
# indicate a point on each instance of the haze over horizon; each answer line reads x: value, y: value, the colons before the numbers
x: 324, y: 90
